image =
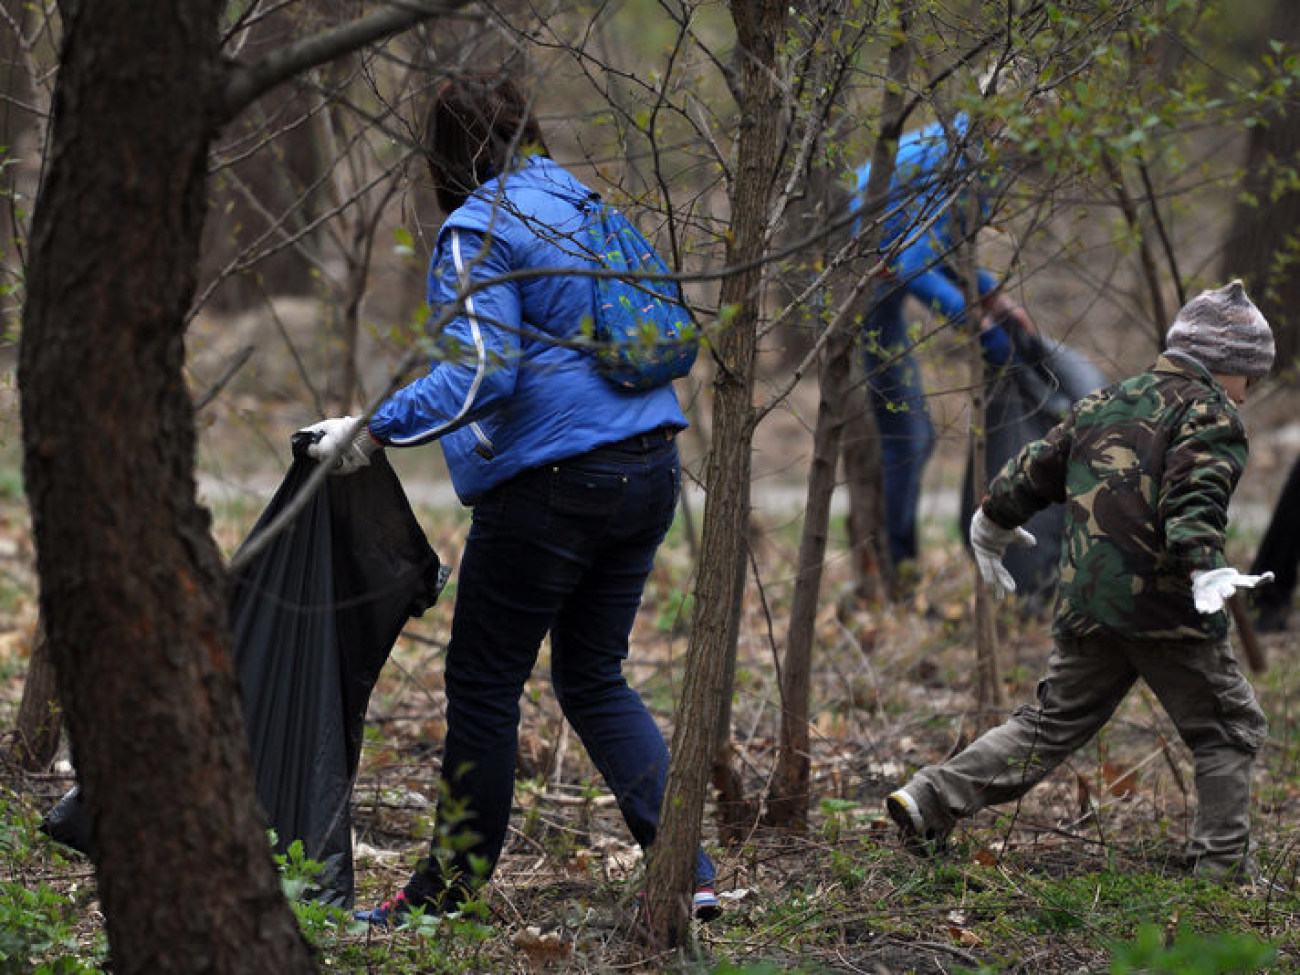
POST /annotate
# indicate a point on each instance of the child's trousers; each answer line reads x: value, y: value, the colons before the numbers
x: 1198, y: 683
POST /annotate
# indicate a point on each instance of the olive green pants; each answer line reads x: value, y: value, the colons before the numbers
x: 1200, y: 686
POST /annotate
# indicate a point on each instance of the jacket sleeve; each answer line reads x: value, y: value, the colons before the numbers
x: 1204, y: 462
x: 921, y: 269
x: 476, y: 354
x: 1031, y: 480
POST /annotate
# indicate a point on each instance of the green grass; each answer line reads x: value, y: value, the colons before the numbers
x: 40, y: 920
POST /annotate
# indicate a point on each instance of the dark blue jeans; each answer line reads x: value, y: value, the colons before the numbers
x: 906, y: 432
x: 563, y: 550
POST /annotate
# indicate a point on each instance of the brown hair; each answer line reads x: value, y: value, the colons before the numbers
x: 476, y: 124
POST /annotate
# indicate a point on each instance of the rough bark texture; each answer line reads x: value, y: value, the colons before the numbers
x: 1262, y: 247
x: 40, y: 718
x: 760, y: 26
x: 788, y: 800
x: 132, y: 588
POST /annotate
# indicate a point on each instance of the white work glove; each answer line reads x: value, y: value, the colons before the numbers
x: 344, y: 437
x: 1211, y: 588
x: 989, y: 542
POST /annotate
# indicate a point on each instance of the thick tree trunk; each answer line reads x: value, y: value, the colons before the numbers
x: 788, y: 801
x: 760, y: 26
x: 132, y: 588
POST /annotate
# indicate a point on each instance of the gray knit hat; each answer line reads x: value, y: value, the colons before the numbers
x: 1225, y: 332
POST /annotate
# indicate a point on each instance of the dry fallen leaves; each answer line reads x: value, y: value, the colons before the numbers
x: 541, y: 949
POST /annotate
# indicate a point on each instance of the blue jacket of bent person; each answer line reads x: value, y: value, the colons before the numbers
x: 509, y: 388
x: 927, y: 167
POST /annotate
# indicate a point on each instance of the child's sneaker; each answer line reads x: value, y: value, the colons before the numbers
x: 705, y: 904
x: 906, y: 813
x: 390, y: 913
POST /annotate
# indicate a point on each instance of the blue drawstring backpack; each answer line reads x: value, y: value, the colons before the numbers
x: 642, y: 335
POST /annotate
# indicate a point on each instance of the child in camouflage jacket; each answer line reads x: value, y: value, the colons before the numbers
x: 1145, y: 468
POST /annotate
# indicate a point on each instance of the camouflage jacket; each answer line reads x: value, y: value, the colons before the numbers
x: 1145, y: 468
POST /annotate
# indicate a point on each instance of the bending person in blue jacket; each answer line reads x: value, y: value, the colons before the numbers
x: 926, y: 213
x: 573, y: 484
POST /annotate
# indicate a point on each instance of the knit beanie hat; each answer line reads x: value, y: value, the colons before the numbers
x: 1225, y: 332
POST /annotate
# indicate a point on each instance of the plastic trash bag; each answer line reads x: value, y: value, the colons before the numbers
x: 1023, y: 402
x: 313, y: 618
x: 1279, y: 553
x: 68, y: 823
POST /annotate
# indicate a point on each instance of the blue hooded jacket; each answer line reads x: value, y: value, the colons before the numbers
x: 926, y: 167
x: 509, y: 389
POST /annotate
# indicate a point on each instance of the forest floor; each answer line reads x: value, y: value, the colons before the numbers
x: 1073, y: 879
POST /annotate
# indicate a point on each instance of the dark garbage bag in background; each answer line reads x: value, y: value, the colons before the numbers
x: 1024, y: 400
x: 68, y: 823
x: 313, y: 617
x: 1278, y: 553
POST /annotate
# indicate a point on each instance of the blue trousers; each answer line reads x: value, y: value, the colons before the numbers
x: 906, y: 432
x: 564, y: 550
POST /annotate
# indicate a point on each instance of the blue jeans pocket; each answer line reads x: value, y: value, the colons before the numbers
x: 587, y: 493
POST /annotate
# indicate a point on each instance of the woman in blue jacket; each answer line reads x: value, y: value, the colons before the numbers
x: 573, y: 484
x: 926, y: 216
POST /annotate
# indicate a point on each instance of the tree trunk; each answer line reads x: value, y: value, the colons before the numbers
x: 760, y: 27
x: 788, y: 801
x: 989, y: 693
x: 874, y: 578
x: 1262, y: 247
x: 736, y: 814
x: 40, y: 719
x: 132, y: 587
x: 787, y: 805
x: 21, y: 121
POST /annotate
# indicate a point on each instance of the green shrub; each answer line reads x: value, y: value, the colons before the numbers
x: 1226, y: 953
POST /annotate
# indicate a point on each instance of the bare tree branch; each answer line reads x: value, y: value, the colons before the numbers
x: 246, y: 82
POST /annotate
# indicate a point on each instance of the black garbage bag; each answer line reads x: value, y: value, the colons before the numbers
x: 1024, y: 400
x: 313, y: 617
x: 68, y: 823
x: 1279, y: 553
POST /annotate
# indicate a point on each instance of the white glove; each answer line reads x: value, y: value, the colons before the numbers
x: 345, y: 438
x: 1211, y: 588
x: 989, y: 542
